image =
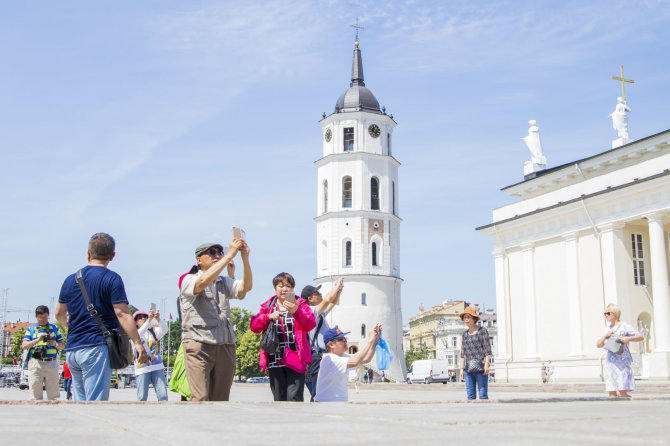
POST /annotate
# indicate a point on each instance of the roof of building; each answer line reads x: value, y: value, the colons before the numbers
x: 357, y: 97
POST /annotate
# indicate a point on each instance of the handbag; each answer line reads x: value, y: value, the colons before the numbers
x: 614, y: 345
x: 270, y: 339
x: 118, y: 343
x: 474, y: 366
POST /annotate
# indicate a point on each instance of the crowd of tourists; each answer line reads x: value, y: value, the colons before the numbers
x: 299, y: 349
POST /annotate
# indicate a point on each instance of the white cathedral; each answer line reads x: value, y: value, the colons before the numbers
x: 580, y: 236
x: 358, y: 227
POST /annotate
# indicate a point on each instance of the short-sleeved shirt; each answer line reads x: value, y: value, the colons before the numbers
x: 33, y: 332
x: 206, y: 316
x: 476, y: 345
x: 104, y: 288
x: 331, y: 385
x: 318, y: 345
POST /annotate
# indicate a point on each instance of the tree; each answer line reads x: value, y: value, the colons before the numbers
x: 63, y: 331
x: 15, y: 348
x: 247, y: 355
x: 172, y: 342
x: 412, y: 356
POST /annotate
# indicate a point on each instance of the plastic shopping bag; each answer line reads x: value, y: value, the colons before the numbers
x: 384, y: 355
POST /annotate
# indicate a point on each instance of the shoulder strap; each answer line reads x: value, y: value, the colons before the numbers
x: 89, y: 306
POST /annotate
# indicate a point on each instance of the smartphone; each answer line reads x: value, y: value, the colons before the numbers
x: 153, y: 307
x: 239, y: 233
x: 290, y: 296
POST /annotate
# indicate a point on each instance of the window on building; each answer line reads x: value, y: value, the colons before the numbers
x: 364, y: 299
x: 374, y: 193
x: 348, y: 139
x: 324, y: 254
x: 393, y: 196
x: 347, y: 253
x: 638, y: 259
x: 388, y: 142
x: 362, y: 330
x: 325, y: 196
x: 374, y: 254
x: 346, y: 192
x: 450, y: 360
x: 491, y: 339
x: 454, y: 341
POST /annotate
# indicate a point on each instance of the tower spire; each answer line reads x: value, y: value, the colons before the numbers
x: 357, y: 64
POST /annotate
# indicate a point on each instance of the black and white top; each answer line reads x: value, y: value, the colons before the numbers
x: 476, y: 345
x: 286, y: 334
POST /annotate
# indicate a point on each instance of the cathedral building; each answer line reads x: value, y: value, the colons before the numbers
x: 358, y: 223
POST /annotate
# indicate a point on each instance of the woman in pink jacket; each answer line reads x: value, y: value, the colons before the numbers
x: 294, y: 319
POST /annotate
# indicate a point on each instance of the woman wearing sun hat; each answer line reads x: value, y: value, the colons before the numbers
x: 475, y: 356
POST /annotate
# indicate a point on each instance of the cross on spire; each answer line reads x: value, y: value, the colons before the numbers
x: 623, y: 82
x: 357, y: 27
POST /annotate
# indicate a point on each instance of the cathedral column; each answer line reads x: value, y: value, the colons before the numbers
x: 530, y: 313
x: 574, y: 309
x: 615, y: 271
x: 659, y: 282
x: 501, y: 303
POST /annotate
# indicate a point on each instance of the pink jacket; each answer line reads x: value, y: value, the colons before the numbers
x: 304, y: 322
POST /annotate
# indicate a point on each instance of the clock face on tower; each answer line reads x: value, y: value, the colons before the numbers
x: 328, y: 135
x: 374, y: 131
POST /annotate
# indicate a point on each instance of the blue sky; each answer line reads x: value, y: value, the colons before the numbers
x: 165, y: 123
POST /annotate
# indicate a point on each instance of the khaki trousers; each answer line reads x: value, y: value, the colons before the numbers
x: 210, y: 370
x: 43, y: 373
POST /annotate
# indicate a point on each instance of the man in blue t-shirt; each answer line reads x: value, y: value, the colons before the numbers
x: 86, y: 349
x: 43, y: 341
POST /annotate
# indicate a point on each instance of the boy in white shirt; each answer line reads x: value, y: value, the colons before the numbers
x: 332, y: 381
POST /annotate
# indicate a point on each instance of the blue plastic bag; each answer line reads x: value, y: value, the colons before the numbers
x: 384, y: 355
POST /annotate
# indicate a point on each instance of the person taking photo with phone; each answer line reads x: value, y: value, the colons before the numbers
x: 293, y: 320
x: 153, y: 371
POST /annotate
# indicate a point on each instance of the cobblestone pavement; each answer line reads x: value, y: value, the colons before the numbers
x: 379, y: 414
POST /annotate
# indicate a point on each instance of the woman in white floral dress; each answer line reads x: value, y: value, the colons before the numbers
x: 619, y: 378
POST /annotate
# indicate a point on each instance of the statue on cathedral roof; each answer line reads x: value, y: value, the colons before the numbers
x: 537, y: 161
x: 620, y: 118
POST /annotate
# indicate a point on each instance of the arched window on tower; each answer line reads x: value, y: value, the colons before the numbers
x: 324, y: 254
x: 325, y: 196
x: 348, y: 139
x: 346, y: 192
x: 362, y: 330
x: 374, y: 193
x: 364, y: 299
x: 374, y: 254
x: 347, y: 253
x: 393, y: 197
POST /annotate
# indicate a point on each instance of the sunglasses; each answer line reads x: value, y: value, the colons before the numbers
x: 213, y: 252
x: 607, y: 313
x: 342, y: 339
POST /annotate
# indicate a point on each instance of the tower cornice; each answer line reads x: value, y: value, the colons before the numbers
x: 357, y: 213
x: 354, y: 156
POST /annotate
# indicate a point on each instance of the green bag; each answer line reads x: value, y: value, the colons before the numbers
x: 178, y: 381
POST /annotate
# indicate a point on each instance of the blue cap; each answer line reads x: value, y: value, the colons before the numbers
x: 333, y: 333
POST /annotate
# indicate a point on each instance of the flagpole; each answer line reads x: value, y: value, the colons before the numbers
x: 168, y: 347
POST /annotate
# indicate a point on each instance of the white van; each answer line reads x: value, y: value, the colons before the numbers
x: 429, y: 371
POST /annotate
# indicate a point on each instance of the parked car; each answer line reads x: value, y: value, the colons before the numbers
x: 429, y: 371
x: 258, y: 379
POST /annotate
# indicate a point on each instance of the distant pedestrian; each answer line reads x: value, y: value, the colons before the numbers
x: 294, y: 319
x: 371, y: 376
x: 208, y: 337
x: 333, y: 374
x: 43, y: 342
x: 475, y: 356
x: 321, y: 306
x: 67, y: 381
x: 543, y: 373
x: 619, y: 377
x: 86, y: 349
x: 153, y: 371
x: 550, y: 371
x: 360, y: 372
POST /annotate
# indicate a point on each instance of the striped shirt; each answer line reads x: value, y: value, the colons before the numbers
x: 51, y: 330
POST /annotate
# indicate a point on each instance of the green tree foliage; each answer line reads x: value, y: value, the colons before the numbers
x: 172, y: 342
x: 7, y: 361
x: 63, y: 331
x: 412, y: 356
x: 16, y: 349
x: 247, y: 355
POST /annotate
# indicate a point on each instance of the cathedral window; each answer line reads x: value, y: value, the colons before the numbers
x: 393, y: 197
x: 348, y: 139
x: 364, y: 299
x: 638, y: 259
x: 325, y: 196
x: 347, y: 253
x: 324, y: 254
x: 374, y: 193
x: 388, y: 143
x: 362, y: 330
x: 374, y: 254
x: 346, y: 192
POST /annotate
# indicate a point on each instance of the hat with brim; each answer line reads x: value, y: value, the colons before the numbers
x: 332, y: 334
x: 140, y: 313
x: 471, y: 311
x: 200, y: 250
x: 309, y: 290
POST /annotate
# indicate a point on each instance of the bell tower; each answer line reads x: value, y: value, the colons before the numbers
x: 358, y: 223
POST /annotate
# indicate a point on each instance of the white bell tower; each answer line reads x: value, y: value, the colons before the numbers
x: 358, y: 227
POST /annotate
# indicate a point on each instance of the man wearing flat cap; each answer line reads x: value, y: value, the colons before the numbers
x: 208, y: 337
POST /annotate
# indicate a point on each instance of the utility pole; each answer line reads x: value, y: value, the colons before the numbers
x: 164, y: 316
x: 3, y: 320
